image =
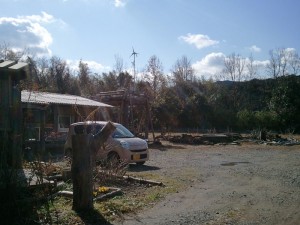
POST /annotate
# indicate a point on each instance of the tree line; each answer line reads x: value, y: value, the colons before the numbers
x: 181, y: 99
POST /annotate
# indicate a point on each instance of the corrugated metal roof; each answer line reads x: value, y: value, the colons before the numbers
x: 6, y: 64
x: 18, y: 70
x: 53, y: 98
x: 12, y: 65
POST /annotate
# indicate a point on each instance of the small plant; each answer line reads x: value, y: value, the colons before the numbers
x: 110, y: 172
x: 101, y: 190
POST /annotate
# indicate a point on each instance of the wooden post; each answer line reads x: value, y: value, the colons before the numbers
x: 81, y: 170
x: 84, y: 150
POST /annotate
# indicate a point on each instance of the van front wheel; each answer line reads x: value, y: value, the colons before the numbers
x: 113, y: 158
x: 140, y: 163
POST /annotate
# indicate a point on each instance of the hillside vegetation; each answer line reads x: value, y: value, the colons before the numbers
x: 180, y: 100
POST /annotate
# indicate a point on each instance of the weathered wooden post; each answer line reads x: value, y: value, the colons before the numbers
x: 81, y: 170
x: 84, y: 147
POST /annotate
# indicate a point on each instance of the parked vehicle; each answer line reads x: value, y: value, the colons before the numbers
x: 122, y: 145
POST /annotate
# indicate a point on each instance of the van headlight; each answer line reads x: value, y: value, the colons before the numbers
x: 124, y: 144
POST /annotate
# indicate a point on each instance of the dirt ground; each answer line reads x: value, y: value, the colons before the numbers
x: 249, y: 184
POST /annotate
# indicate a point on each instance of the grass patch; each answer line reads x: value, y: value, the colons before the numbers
x: 135, y: 198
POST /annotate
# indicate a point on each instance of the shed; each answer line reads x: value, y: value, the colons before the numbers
x: 47, y: 116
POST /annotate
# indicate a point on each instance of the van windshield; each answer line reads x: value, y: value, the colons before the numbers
x: 121, y: 132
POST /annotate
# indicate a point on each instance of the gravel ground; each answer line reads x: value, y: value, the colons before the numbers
x: 232, y: 184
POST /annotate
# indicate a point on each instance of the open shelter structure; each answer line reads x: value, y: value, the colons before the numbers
x: 127, y: 104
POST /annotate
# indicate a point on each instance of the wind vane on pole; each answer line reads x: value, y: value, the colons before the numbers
x: 134, y: 54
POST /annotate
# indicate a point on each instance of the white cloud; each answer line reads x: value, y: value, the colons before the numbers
x: 97, y: 67
x: 28, y: 32
x: 119, y: 3
x: 199, y: 40
x: 254, y: 48
x: 290, y: 50
x: 260, y: 64
x: 44, y: 18
x: 94, y: 66
x: 210, y: 65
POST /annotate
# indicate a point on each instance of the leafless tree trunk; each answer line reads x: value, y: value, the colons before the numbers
x: 278, y: 62
x: 154, y: 74
x: 273, y: 66
x: 84, y: 78
x: 119, y: 65
x: 252, y: 68
x: 183, y: 70
x: 234, y: 67
x: 283, y: 54
x: 294, y: 62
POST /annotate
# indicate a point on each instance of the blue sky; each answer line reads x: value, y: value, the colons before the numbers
x: 203, y: 30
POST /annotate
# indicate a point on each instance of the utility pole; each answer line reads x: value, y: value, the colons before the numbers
x: 131, y: 92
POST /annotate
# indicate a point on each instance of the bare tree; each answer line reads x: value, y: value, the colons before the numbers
x: 294, y: 62
x: 154, y: 74
x: 183, y: 70
x: 252, y: 68
x: 284, y: 57
x: 119, y: 65
x: 7, y: 53
x: 234, y: 70
x: 33, y: 81
x: 273, y: 67
x: 57, y: 72
x: 234, y: 67
x: 278, y: 62
x: 124, y: 80
x: 42, y: 67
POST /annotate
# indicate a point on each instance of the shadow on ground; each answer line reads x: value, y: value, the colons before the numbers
x: 141, y: 168
x: 164, y: 147
x: 92, y: 217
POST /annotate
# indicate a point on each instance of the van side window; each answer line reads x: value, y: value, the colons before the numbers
x: 87, y: 129
x: 97, y: 129
x: 79, y: 129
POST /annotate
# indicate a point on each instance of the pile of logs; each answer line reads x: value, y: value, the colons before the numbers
x: 228, y: 138
x: 205, y: 139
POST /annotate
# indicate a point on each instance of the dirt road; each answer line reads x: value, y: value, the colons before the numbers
x: 248, y: 184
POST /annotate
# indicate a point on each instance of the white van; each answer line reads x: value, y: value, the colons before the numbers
x: 121, y: 145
